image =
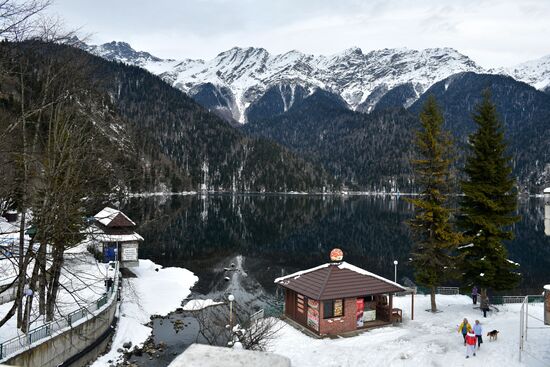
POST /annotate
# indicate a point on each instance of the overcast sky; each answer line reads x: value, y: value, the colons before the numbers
x: 492, y: 32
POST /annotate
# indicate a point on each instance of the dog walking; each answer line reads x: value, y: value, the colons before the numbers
x: 470, y: 344
x: 478, y: 330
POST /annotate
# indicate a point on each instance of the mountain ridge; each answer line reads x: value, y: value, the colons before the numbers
x: 249, y: 72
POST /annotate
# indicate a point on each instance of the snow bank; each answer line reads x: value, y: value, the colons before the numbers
x: 155, y: 291
x: 82, y: 283
x: 429, y: 340
x: 199, y: 304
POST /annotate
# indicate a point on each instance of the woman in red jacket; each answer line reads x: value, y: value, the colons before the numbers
x: 471, y: 341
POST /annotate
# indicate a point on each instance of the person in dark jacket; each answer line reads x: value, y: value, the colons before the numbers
x: 484, y: 305
x: 109, y: 283
x: 474, y: 295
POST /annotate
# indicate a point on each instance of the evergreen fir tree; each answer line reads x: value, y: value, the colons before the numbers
x: 489, y: 204
x: 436, y: 241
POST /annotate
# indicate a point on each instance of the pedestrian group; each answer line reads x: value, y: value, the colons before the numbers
x: 473, y: 336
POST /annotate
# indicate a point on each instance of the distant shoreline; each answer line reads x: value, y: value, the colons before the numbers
x: 293, y: 193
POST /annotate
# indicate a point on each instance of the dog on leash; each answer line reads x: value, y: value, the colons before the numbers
x: 493, y: 335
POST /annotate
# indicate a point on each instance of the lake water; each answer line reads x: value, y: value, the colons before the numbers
x: 266, y: 236
x: 238, y: 244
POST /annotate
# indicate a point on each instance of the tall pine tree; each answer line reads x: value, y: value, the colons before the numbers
x: 489, y: 204
x: 436, y: 241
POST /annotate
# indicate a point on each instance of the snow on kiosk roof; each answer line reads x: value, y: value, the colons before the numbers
x: 110, y: 217
x: 337, y: 280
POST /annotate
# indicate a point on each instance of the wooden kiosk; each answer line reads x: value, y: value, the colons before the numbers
x: 338, y: 297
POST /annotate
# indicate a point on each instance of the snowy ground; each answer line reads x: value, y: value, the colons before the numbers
x: 199, y: 304
x: 151, y: 293
x: 429, y: 340
x: 82, y: 283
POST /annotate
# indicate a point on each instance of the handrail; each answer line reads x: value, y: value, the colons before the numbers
x: 502, y: 300
x: 448, y: 290
x: 13, y: 346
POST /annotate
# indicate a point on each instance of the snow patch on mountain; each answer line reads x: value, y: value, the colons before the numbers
x: 248, y: 72
x: 533, y: 72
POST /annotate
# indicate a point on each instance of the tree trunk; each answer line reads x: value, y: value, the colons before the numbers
x: 432, y: 299
x: 53, y: 288
x: 41, y: 263
x: 29, y: 299
x: 26, y: 316
x: 22, y: 270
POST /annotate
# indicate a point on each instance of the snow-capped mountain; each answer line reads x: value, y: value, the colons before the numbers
x: 533, y: 72
x: 235, y: 79
x: 119, y: 51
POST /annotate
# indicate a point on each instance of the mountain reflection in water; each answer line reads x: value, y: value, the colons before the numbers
x: 266, y: 236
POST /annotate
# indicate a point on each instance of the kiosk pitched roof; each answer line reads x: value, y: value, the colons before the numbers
x: 337, y: 280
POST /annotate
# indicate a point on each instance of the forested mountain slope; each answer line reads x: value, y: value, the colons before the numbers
x: 367, y: 151
x: 523, y: 110
x: 372, y: 151
x: 172, y: 142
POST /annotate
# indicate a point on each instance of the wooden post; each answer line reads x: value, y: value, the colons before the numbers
x: 412, y: 305
x: 391, y: 307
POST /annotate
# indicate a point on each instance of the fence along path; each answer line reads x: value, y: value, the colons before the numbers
x: 14, y: 346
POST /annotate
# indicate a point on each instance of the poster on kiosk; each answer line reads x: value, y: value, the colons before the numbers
x: 360, y: 308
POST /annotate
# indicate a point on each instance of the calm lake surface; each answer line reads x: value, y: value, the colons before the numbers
x: 266, y: 236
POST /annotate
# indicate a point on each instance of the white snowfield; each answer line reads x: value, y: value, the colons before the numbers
x: 199, y: 304
x: 151, y: 293
x: 429, y: 340
x: 534, y: 72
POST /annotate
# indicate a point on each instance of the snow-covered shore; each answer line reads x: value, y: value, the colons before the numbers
x: 429, y: 340
x: 155, y: 291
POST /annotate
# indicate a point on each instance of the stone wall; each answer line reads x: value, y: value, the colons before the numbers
x: 67, y: 344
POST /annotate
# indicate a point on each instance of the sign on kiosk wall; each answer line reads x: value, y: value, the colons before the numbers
x: 338, y: 307
x: 313, y: 314
x: 129, y: 254
x: 360, y: 309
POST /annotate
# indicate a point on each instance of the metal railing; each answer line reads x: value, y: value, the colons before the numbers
x: 12, y: 346
x: 503, y: 300
x: 257, y: 315
x: 524, y: 326
x: 274, y: 310
x: 7, y: 295
x: 438, y: 290
x: 448, y: 290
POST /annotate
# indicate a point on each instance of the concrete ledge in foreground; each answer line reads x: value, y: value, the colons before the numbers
x: 199, y: 355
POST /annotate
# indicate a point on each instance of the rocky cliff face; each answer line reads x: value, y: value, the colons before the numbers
x: 236, y: 79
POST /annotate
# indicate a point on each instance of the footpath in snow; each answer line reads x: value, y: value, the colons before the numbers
x: 155, y: 291
x: 429, y: 340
